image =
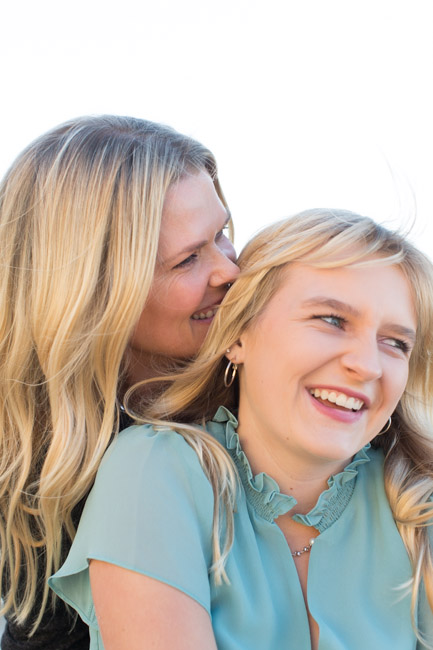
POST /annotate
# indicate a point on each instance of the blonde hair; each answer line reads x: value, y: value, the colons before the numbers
x: 80, y: 214
x: 324, y: 239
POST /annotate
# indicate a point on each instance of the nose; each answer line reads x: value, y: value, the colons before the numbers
x: 225, y: 269
x: 362, y: 359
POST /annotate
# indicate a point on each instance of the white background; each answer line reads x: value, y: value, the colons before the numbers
x: 306, y: 103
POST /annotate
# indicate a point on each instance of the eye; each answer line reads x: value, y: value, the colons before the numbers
x: 332, y: 319
x: 187, y: 261
x: 223, y: 232
x: 399, y: 344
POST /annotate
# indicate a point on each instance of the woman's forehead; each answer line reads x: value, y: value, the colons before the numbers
x: 358, y: 289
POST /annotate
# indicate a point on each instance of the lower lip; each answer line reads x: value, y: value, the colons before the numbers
x: 336, y: 414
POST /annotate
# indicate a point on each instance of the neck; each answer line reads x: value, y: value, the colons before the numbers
x: 143, y: 367
x: 299, y: 476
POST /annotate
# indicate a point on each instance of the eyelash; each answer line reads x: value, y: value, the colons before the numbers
x: 191, y: 258
x: 187, y: 261
x: 400, y: 344
x: 222, y: 232
x: 342, y: 321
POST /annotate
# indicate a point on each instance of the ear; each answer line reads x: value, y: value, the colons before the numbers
x: 235, y: 352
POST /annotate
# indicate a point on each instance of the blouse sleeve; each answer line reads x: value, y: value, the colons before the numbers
x: 150, y: 511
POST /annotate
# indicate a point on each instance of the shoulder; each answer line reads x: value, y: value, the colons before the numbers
x: 150, y: 511
x: 150, y: 486
x: 147, y: 471
x: 143, y: 453
x: 147, y: 439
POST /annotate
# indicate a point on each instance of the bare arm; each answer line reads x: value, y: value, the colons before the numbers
x: 136, y: 612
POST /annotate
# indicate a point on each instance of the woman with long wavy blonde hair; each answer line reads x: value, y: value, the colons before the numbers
x: 280, y: 494
x: 113, y: 262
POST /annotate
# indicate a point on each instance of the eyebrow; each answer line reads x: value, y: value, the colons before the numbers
x: 195, y: 245
x: 407, y: 332
x: 338, y: 305
x: 323, y: 301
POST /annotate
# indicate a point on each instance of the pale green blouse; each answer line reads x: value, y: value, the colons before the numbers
x: 150, y: 510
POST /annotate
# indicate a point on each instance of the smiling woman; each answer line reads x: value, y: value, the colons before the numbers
x: 338, y: 334
x: 96, y: 293
x: 194, y: 264
x: 299, y: 515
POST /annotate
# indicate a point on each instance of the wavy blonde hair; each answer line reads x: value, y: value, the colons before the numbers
x: 324, y: 239
x: 80, y: 214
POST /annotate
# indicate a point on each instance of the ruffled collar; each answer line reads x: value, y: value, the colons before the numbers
x: 263, y: 493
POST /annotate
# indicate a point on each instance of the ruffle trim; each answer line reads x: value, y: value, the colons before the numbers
x: 264, y: 494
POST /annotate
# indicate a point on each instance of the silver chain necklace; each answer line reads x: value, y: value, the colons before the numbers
x: 306, y: 549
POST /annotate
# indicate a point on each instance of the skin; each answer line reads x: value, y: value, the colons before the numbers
x: 196, y: 261
x: 297, y: 343
x: 136, y: 613
x: 303, y: 340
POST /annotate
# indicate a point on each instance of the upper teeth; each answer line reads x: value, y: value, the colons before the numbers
x: 338, y: 398
x: 205, y: 314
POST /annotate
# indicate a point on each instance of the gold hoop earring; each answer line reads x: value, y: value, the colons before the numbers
x: 386, y: 428
x: 229, y: 380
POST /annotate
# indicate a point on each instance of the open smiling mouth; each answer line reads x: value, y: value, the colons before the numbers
x: 202, y: 315
x: 335, y: 399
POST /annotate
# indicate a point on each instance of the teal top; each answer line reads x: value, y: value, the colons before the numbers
x: 150, y: 510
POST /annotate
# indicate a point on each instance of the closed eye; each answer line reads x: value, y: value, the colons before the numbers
x: 187, y: 261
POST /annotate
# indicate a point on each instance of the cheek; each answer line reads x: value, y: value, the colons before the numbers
x: 186, y: 296
x: 268, y: 370
x: 397, y: 377
x: 174, y: 298
x: 191, y: 291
